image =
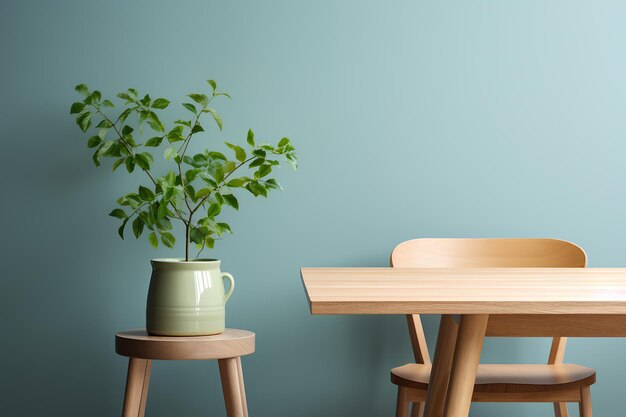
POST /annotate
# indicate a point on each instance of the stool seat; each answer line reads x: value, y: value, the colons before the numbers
x: 231, y: 343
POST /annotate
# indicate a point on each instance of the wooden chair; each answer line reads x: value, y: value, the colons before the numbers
x: 555, y: 382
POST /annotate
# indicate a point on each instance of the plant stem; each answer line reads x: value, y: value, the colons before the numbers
x: 187, y: 227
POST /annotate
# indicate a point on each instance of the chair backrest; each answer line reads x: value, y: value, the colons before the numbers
x: 480, y: 252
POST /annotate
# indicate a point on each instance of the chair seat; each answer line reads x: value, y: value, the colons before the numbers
x: 506, y: 377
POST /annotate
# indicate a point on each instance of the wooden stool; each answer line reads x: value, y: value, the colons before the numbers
x: 142, y: 348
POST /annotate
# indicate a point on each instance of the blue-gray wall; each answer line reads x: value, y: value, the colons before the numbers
x: 412, y: 118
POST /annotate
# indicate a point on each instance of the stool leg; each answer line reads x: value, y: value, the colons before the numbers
x: 242, y: 389
x: 137, y: 381
x: 232, y: 385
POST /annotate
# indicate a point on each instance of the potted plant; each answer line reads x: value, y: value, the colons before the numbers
x: 186, y: 296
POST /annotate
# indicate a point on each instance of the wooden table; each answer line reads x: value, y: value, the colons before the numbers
x: 583, y: 302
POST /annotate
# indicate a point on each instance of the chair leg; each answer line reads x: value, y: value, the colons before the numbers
x: 585, y: 402
x: 402, y: 403
x: 417, y: 410
x: 137, y: 381
x: 560, y: 410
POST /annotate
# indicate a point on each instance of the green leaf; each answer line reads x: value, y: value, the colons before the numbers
x: 156, y: 126
x: 283, y: 142
x: 197, y: 128
x: 164, y: 223
x: 218, y: 119
x: 213, y: 84
x: 263, y: 171
x: 237, y: 182
x: 160, y: 103
x: 107, y: 103
x: 93, y: 141
x: 84, y: 121
x: 130, y: 164
x: 203, y: 192
x: 217, y: 155
x: 93, y: 97
x: 183, y: 122
x: 137, y: 227
x: 240, y: 154
x: 214, y: 210
x: 199, y: 98
x: 256, y: 163
x: 147, y: 220
x: 170, y: 178
x: 256, y: 189
x: 218, y: 175
x: 154, y: 142
x: 134, y: 200
x: 259, y: 152
x: 169, y: 193
x: 196, y: 235
x: 168, y: 239
x: 250, y: 137
x: 209, y: 181
x: 228, y: 167
x: 146, y: 100
x: 120, y: 230
x: 104, y: 148
x: 191, y: 174
x: 133, y: 92
x: 127, y: 130
x: 170, y: 153
x: 117, y: 163
x: 162, y: 211
x: 223, y: 94
x: 190, y: 107
x: 77, y: 107
x: 82, y: 89
x: 231, y: 200
x: 225, y: 226
x: 272, y: 183
x: 96, y: 158
x: 127, y: 97
x: 210, y: 242
x: 119, y: 213
x: 146, y: 194
x: 176, y: 134
x: 104, y: 124
x: 154, y: 241
x: 143, y: 160
x: 124, y: 115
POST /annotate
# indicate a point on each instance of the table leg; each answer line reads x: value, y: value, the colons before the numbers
x: 232, y: 385
x: 442, y: 363
x: 465, y: 364
x: 137, y: 381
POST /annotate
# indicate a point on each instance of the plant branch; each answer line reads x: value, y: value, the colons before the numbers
x: 222, y: 182
x: 132, y: 153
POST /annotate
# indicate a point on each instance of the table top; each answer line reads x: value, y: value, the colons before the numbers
x: 229, y: 344
x: 465, y: 290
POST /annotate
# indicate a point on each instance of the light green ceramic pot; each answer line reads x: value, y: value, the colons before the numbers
x: 187, y: 298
